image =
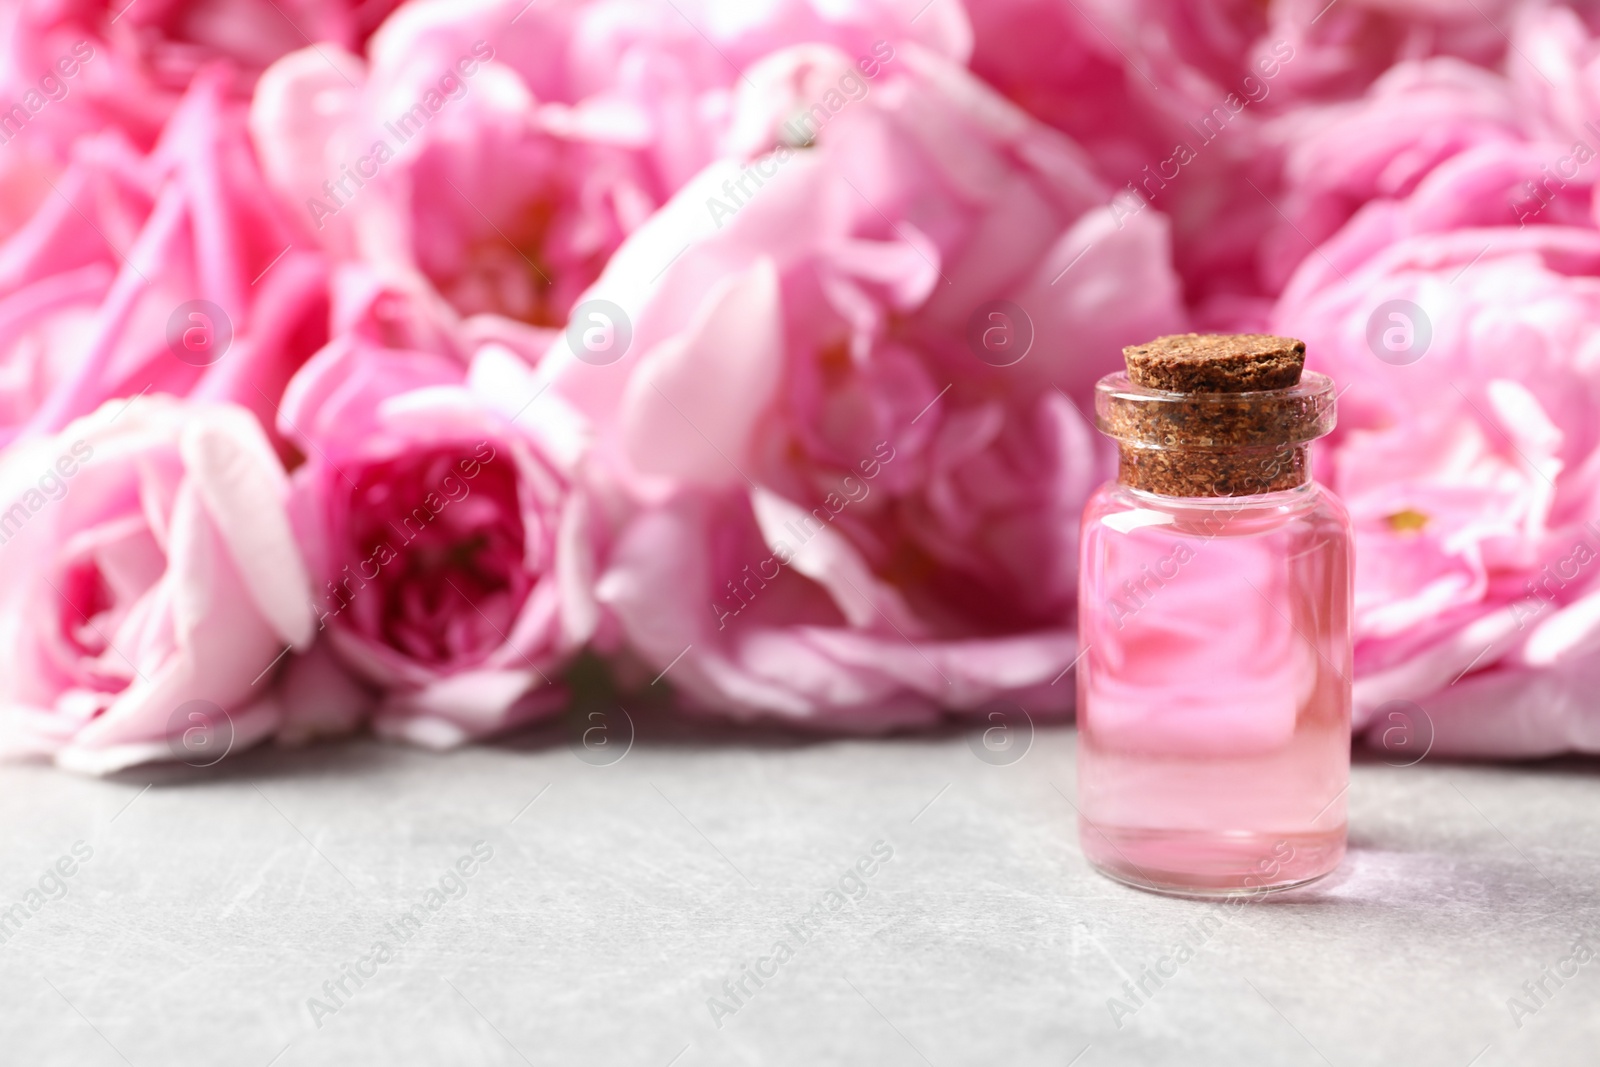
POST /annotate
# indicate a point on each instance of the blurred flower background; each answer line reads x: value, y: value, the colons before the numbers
x: 371, y: 365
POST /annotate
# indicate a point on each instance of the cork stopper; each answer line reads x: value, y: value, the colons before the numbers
x: 1216, y: 363
x: 1215, y: 415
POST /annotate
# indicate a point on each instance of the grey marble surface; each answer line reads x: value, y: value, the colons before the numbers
x: 618, y: 900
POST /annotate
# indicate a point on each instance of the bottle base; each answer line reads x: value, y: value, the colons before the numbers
x: 1211, y: 864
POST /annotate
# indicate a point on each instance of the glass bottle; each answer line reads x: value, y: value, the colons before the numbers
x: 1214, y: 617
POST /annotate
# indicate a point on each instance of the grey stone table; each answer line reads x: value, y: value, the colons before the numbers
x: 717, y: 897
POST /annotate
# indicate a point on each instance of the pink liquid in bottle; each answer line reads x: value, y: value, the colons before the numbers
x: 1213, y: 690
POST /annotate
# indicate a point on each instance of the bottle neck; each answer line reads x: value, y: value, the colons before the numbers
x: 1213, y: 472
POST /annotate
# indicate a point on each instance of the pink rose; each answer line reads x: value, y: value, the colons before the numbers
x: 1191, y: 107
x: 1456, y: 298
x: 450, y: 558
x: 1344, y: 47
x: 45, y: 107
x: 170, y: 271
x: 138, y: 59
x: 1468, y: 453
x: 147, y: 569
x: 1169, y: 101
x: 496, y: 154
x: 1090, y: 67
x: 73, y: 68
x: 1439, y: 144
x: 1555, y: 75
x: 1414, y: 119
x: 854, y: 473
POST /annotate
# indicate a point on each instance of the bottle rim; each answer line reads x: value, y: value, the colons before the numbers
x: 1150, y: 418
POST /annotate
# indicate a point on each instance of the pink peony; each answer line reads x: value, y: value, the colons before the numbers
x: 147, y: 570
x: 1468, y: 454
x: 449, y: 555
x: 168, y: 272
x: 496, y: 154
x: 853, y: 475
